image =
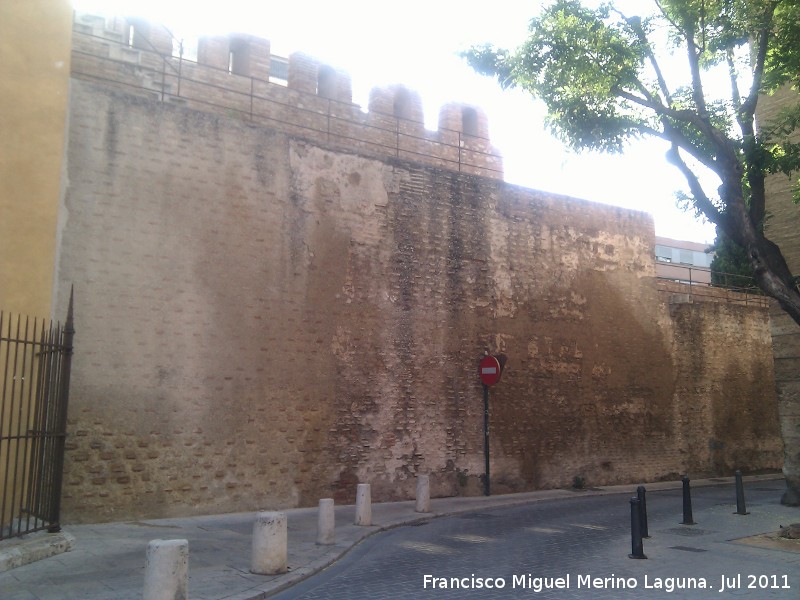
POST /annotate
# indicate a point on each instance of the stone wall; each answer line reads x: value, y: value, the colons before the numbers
x: 263, y: 321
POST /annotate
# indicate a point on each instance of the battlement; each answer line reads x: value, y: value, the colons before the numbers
x: 236, y: 75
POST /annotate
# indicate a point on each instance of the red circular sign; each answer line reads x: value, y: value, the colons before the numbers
x: 489, y: 370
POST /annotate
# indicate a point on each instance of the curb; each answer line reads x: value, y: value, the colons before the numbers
x: 33, y: 547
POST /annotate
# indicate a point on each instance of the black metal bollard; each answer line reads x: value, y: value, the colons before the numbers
x: 637, y: 549
x: 741, y: 509
x: 641, y: 494
x: 687, y: 503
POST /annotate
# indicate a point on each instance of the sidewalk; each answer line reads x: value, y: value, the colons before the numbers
x: 106, y: 561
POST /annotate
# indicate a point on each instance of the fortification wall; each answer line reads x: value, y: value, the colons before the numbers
x: 264, y: 320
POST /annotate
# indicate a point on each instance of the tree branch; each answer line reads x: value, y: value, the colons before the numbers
x: 748, y: 108
x: 697, y: 83
x: 668, y: 18
x: 735, y: 95
x: 702, y: 201
x: 670, y: 133
x: 745, y: 115
x: 636, y: 25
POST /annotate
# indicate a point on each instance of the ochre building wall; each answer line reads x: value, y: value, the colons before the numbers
x: 264, y: 320
x: 33, y: 108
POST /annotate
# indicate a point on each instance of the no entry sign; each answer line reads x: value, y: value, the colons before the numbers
x: 489, y: 370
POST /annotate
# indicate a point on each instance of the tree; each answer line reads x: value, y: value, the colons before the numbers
x: 730, y: 266
x: 607, y: 78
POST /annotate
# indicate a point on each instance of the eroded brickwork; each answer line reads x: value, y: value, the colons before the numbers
x: 264, y: 321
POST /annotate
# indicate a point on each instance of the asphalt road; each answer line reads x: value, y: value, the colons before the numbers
x: 574, y: 548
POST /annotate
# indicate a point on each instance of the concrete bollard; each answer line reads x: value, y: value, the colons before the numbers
x: 423, y: 494
x: 166, y: 570
x: 269, y: 544
x: 363, y: 505
x: 326, y: 523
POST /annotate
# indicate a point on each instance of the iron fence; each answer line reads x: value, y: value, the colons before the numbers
x: 35, y: 358
x: 703, y: 282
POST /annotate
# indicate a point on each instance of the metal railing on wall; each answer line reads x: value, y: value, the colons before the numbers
x: 35, y: 359
x: 188, y: 88
x: 711, y: 284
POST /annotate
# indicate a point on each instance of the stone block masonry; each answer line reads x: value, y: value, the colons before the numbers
x: 265, y: 320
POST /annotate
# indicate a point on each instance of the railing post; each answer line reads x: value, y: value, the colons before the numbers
x: 459, y: 151
x: 180, y: 67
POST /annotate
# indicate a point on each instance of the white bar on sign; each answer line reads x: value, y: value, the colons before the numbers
x: 488, y: 370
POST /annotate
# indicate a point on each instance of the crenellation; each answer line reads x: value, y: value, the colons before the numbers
x: 214, y: 52
x: 144, y: 35
x: 397, y: 101
x: 233, y: 75
x: 250, y: 56
x: 303, y: 73
x: 465, y: 119
x: 334, y: 85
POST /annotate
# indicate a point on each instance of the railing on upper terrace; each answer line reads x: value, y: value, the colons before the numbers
x: 704, y: 284
x: 142, y: 68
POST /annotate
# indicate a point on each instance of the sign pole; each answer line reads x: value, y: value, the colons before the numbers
x: 486, y: 491
x: 489, y: 369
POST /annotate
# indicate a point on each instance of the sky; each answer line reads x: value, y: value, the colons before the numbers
x: 416, y: 43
